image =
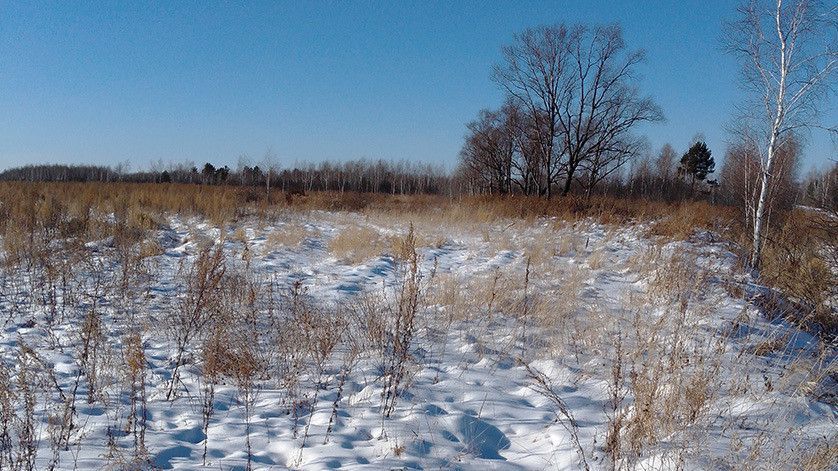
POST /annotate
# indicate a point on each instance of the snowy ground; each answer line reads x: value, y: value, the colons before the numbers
x: 534, y: 342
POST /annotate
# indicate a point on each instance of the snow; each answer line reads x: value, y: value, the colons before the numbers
x: 472, y: 402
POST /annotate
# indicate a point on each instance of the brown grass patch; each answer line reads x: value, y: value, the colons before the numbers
x: 356, y: 244
x: 680, y: 221
x: 289, y: 235
x: 795, y: 261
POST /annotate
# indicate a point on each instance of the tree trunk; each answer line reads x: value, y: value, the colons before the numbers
x: 567, y: 183
x: 759, y: 216
x: 776, y: 126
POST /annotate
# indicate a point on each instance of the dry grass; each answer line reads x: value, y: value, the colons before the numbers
x: 821, y: 458
x: 357, y: 244
x: 569, y: 244
x: 680, y: 222
x: 71, y: 207
x: 598, y: 257
x: 288, y: 235
x: 769, y: 346
x: 661, y: 364
x: 450, y: 291
x: 796, y: 262
x: 540, y: 251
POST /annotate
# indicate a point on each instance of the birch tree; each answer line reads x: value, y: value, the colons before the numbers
x: 788, y: 53
x: 665, y: 169
x: 270, y: 167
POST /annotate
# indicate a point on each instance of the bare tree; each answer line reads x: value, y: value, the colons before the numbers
x: 600, y: 104
x: 243, y: 170
x: 270, y: 166
x: 527, y: 163
x: 665, y: 163
x: 821, y: 188
x: 532, y: 76
x: 641, y: 177
x: 665, y: 169
x: 489, y: 150
x: 607, y: 158
x: 788, y: 52
x: 577, y: 87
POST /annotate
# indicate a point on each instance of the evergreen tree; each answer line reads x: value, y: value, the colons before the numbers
x: 209, y: 173
x: 221, y: 174
x: 697, y: 162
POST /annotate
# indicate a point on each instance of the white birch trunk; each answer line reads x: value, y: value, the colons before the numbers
x: 776, y: 126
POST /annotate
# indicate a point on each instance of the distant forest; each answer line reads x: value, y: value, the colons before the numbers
x: 662, y: 177
x: 357, y: 176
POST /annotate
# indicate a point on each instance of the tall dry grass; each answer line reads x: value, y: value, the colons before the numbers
x: 72, y: 207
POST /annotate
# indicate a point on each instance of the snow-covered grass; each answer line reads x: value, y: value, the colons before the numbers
x: 324, y: 340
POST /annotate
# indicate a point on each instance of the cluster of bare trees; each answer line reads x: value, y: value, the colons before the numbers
x: 741, y: 178
x: 654, y: 177
x: 367, y: 176
x: 381, y: 176
x: 60, y: 173
x: 572, y: 104
x: 820, y: 188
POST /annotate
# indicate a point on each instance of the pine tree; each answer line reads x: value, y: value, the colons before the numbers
x: 208, y: 173
x: 697, y: 162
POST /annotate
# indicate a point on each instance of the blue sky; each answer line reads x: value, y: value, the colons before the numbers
x: 208, y: 81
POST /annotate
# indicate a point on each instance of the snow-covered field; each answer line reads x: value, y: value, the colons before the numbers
x: 535, y: 345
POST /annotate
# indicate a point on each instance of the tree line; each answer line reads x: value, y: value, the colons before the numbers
x: 367, y: 176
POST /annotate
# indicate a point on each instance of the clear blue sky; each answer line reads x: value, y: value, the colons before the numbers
x: 209, y: 81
